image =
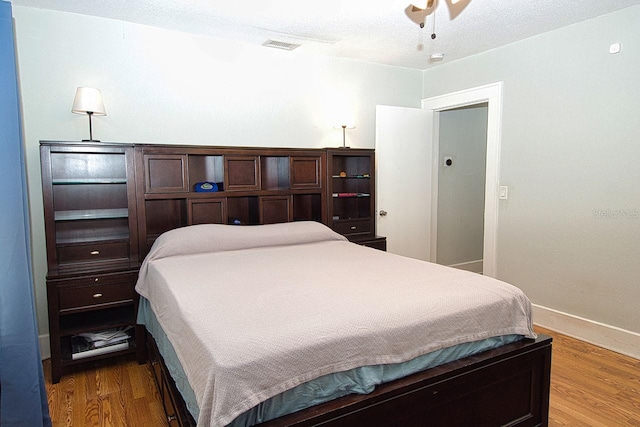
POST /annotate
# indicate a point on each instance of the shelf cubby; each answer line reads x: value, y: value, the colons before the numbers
x: 205, y: 168
x: 275, y: 172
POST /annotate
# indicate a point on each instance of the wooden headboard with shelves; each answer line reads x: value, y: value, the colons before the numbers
x: 254, y: 186
x: 126, y: 195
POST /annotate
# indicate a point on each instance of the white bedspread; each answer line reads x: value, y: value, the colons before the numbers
x: 248, y: 324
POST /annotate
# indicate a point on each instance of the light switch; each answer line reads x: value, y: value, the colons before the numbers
x: 615, y: 48
x: 504, y: 192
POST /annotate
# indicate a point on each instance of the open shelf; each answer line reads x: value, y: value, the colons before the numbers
x: 347, y: 195
x: 81, y: 214
x: 67, y: 357
x: 205, y: 168
x: 95, y: 320
x: 88, y: 181
x: 352, y: 186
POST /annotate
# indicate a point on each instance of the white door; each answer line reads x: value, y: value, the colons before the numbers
x: 404, y: 158
x: 403, y: 179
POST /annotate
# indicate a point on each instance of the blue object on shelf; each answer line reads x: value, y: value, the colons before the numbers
x: 204, y: 187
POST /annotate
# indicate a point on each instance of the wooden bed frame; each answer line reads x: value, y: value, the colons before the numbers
x: 158, y: 183
x: 506, y: 386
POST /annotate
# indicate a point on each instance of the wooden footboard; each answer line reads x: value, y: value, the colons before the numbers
x: 504, y: 386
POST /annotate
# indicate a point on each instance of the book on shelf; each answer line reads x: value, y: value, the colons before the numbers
x: 108, y: 337
x: 351, y: 194
x: 94, y: 343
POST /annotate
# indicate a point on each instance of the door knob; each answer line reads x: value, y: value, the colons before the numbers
x: 383, y: 212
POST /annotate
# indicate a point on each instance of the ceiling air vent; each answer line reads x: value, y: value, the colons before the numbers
x: 280, y: 45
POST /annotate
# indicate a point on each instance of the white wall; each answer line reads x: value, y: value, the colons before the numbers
x: 463, y: 138
x: 569, y: 234
x: 167, y: 87
x: 570, y: 141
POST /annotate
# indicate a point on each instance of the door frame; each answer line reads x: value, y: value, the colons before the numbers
x: 492, y: 95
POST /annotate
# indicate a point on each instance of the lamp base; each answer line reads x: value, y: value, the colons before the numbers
x: 343, y: 147
x: 90, y: 140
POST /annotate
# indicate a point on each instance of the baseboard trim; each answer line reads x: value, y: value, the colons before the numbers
x: 473, y: 266
x: 45, y: 348
x: 600, y: 334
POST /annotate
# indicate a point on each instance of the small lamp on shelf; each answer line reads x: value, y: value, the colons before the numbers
x: 89, y: 101
x: 344, y: 135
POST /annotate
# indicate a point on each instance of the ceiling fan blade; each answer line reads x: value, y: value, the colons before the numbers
x: 456, y: 7
x: 428, y: 8
x: 429, y: 4
x: 415, y: 14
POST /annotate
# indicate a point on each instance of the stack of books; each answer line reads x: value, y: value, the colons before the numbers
x: 94, y: 343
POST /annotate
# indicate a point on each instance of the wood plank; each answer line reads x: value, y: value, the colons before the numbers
x: 592, y: 386
x: 110, y: 392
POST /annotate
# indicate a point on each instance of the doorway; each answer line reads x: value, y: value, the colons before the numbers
x: 490, y: 94
x: 460, y: 181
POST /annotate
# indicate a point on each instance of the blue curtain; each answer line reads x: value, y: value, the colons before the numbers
x: 23, y: 399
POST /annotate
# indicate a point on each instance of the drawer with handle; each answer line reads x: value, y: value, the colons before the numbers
x: 72, y: 298
x: 92, y: 252
x: 355, y: 226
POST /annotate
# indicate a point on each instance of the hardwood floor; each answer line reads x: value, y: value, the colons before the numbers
x: 118, y: 393
x: 590, y: 386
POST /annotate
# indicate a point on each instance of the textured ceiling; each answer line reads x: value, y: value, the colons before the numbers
x: 369, y: 30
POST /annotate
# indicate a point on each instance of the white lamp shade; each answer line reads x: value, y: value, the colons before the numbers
x: 88, y: 100
x: 345, y: 126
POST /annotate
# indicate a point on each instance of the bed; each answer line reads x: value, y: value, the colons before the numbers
x: 291, y: 324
